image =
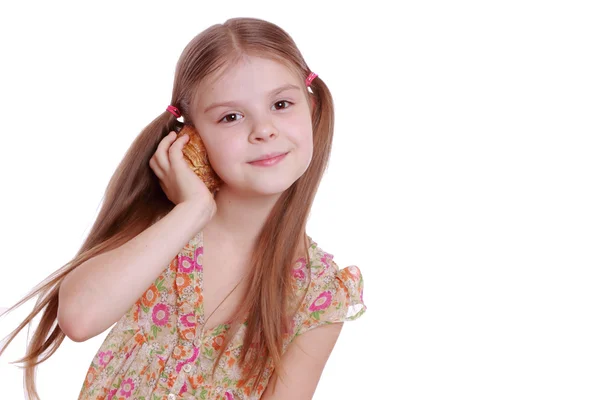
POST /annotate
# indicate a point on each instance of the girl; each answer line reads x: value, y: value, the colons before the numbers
x: 166, y: 256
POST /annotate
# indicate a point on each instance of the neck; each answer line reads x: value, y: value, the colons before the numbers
x: 239, y: 217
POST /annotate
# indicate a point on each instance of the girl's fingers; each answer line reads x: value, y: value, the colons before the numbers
x: 158, y: 171
x: 176, y: 150
x: 162, y: 149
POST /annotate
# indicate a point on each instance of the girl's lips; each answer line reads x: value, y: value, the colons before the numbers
x: 269, y: 161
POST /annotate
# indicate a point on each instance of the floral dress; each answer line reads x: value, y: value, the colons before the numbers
x: 154, y: 351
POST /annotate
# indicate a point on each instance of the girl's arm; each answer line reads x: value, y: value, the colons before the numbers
x: 97, y: 293
x: 303, y: 362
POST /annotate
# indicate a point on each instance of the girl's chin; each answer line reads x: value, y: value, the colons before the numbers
x: 266, y: 190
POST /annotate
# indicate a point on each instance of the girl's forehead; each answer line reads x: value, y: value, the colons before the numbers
x: 249, y: 70
x: 253, y: 75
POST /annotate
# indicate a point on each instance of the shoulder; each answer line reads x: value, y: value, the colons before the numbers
x: 332, y: 294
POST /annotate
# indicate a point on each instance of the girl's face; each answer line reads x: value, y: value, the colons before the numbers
x: 256, y: 107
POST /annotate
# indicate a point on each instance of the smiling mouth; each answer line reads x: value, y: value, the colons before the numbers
x: 269, y: 161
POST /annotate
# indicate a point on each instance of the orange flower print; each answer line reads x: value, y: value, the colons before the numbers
x: 354, y: 271
x: 230, y: 362
x: 196, y: 381
x: 218, y: 342
x: 173, y: 264
x: 150, y: 297
x: 188, y: 333
x: 91, y: 375
x: 136, y: 312
x: 139, y: 338
x: 196, y: 297
x: 321, y: 302
x: 172, y: 379
x: 182, y: 281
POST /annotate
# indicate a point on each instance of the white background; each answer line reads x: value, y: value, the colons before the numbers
x: 463, y: 181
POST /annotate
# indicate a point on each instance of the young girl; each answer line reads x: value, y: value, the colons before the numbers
x: 215, y: 296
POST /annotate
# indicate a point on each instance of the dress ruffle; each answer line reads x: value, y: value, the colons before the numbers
x: 334, y: 295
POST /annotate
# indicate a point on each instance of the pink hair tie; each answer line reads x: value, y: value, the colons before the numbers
x: 310, y: 78
x: 173, y: 110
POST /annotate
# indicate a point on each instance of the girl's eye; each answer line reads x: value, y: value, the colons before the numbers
x: 228, y: 118
x: 283, y: 101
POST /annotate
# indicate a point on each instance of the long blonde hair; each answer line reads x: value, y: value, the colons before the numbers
x: 126, y: 213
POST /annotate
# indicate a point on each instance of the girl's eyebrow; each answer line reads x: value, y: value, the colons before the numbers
x: 273, y: 92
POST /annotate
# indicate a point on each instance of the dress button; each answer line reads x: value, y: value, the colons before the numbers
x: 197, y: 342
x: 171, y: 396
x: 187, y: 367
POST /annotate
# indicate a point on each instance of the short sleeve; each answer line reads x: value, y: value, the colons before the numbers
x: 333, y: 296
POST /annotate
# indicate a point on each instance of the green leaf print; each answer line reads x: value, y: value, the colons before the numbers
x: 208, y: 352
x: 219, y: 329
x: 159, y: 285
x: 155, y: 330
x: 117, y: 384
x: 146, y: 309
x: 203, y: 394
x: 316, y: 315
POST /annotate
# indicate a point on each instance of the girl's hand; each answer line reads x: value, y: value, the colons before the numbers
x: 177, y: 179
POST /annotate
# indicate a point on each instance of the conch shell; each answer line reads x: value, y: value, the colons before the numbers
x: 196, y: 156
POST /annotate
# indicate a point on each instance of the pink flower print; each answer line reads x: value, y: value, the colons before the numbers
x: 301, y: 263
x: 321, y: 302
x: 192, y: 358
x: 326, y: 258
x: 194, y: 355
x: 186, y: 264
x: 197, y: 258
x: 298, y: 271
x: 127, y: 387
x: 299, y: 274
x: 187, y: 319
x: 104, y: 357
x: 179, y: 365
x: 228, y: 395
x: 160, y: 314
x: 183, y: 389
x: 111, y: 394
